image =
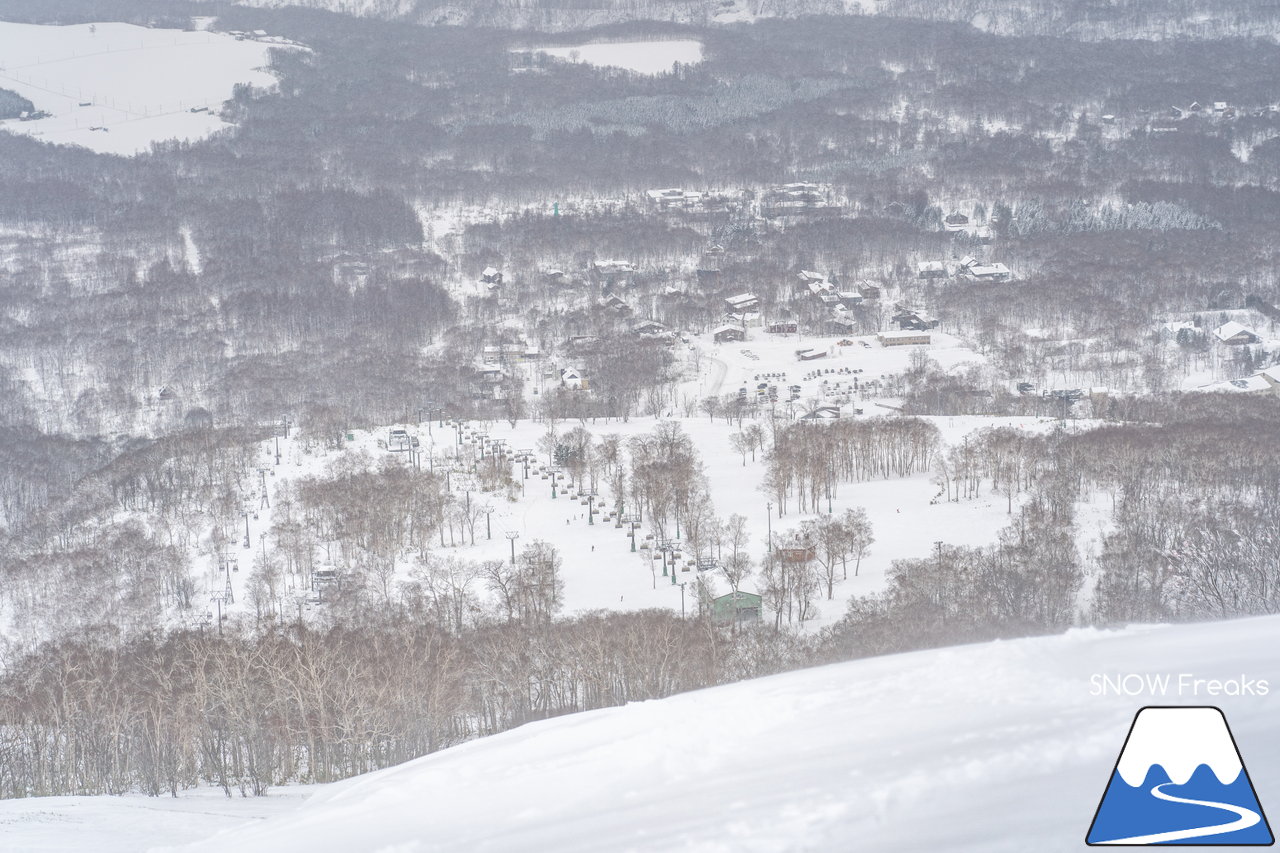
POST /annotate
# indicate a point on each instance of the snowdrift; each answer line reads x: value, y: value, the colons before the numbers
x: 995, y: 747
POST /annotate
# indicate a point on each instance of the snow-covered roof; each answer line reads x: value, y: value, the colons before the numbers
x: 1254, y: 384
x: 726, y: 327
x: 931, y: 266
x: 1229, y: 330
x: 980, y: 270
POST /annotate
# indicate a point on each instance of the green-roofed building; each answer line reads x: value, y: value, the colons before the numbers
x: 736, y: 607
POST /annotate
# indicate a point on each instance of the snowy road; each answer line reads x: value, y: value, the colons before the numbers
x: 720, y: 369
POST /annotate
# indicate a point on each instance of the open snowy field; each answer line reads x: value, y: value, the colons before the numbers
x: 642, y: 57
x: 117, y: 88
x: 599, y: 568
x: 993, y: 747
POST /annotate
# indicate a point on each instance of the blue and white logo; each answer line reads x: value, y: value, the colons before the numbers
x: 1180, y: 781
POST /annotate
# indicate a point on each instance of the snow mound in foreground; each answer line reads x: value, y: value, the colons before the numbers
x: 993, y: 747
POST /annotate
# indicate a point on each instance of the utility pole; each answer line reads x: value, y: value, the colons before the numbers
x: 513, y: 535
x: 217, y: 598
x: 682, y: 583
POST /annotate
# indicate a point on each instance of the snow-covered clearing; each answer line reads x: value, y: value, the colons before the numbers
x: 642, y: 57
x: 599, y: 568
x: 992, y: 747
x: 117, y: 88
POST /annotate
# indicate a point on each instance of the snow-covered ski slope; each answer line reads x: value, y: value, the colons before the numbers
x: 993, y: 747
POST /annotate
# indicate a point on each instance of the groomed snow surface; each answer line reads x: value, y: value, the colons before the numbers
x: 136, y: 85
x: 993, y: 747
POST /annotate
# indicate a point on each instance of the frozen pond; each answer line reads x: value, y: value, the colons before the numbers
x: 642, y: 57
x: 116, y: 88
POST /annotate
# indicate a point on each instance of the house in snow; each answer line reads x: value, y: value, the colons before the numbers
x: 742, y: 303
x: 956, y: 222
x: 914, y: 321
x: 1234, y: 334
x: 649, y: 329
x: 574, y: 378
x: 616, y: 273
x: 613, y: 302
x: 868, y: 290
x: 726, y: 333
x: 972, y: 268
x: 849, y: 298
x: 1255, y: 384
x: 491, y: 277
x: 931, y: 269
x: 824, y: 292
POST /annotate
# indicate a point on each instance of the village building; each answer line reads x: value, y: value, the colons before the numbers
x: 904, y: 339
x: 917, y: 321
x: 1234, y: 334
x: 574, y: 378
x: 931, y: 269
x: 615, y: 303
x: 980, y: 271
x: 650, y: 330
x: 727, y: 333
x: 673, y: 197
x: 736, y: 608
x: 839, y: 325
